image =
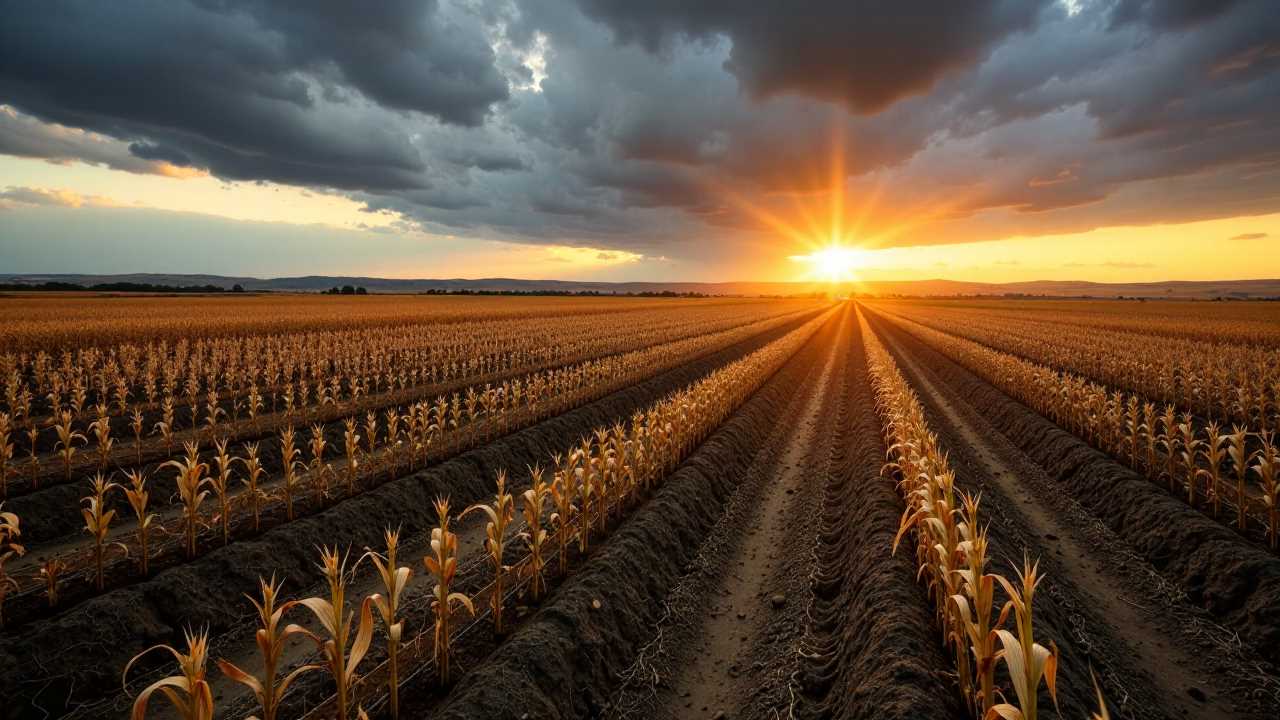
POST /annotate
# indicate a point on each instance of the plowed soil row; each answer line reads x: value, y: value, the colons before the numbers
x: 71, y: 662
x: 1136, y: 581
x: 872, y: 649
x: 727, y: 643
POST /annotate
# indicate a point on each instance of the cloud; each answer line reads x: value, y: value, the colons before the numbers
x: 25, y: 136
x: 673, y: 128
x: 1170, y: 14
x: 1248, y: 236
x: 849, y: 51
x: 299, y: 92
x: 12, y: 197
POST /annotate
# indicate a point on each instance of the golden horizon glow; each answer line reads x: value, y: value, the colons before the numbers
x: 835, y: 263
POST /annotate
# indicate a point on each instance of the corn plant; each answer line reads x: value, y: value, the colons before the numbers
x: 290, y: 464
x: 51, y: 571
x: 33, y: 460
x: 1267, y: 467
x: 6, y: 454
x: 1190, y: 450
x: 332, y: 614
x: 534, y: 535
x: 371, y: 435
x: 1028, y: 661
x: 101, y: 429
x: 562, y: 487
x: 1240, y: 459
x: 254, y: 406
x: 138, y: 496
x: 97, y: 522
x: 393, y: 427
x: 500, y: 514
x: 67, y: 437
x: 190, y: 479
x: 253, y: 472
x: 586, y: 491
x: 271, y: 639
x: 319, y: 470
x: 136, y: 423
x: 212, y: 412
x: 442, y: 563
x: 221, y: 484
x: 1169, y: 443
x: 394, y: 580
x: 189, y: 692
x: 974, y: 606
x: 10, y: 531
x: 604, y: 476
x: 1149, y: 435
x: 1213, y: 451
x: 1133, y: 428
x: 166, y: 426
x: 351, y: 447
x: 192, y: 390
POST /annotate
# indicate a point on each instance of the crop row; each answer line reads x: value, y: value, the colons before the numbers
x: 951, y: 550
x: 1237, y: 323
x: 55, y: 322
x: 1213, y: 469
x: 1228, y: 382
x: 245, y: 498
x: 241, y: 392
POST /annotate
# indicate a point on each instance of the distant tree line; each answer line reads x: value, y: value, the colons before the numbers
x: 346, y: 290
x: 564, y: 293
x: 57, y: 286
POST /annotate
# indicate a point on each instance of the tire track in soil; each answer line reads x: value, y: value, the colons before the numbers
x: 566, y: 660
x: 77, y: 655
x: 1096, y: 592
x: 744, y: 589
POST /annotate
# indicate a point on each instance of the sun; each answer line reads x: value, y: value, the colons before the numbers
x: 834, y: 263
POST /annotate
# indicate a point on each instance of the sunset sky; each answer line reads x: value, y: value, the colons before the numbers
x: 988, y: 140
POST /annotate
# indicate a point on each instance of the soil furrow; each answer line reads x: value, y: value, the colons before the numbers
x: 873, y: 648
x: 722, y: 647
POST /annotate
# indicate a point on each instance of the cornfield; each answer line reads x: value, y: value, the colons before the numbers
x: 610, y: 507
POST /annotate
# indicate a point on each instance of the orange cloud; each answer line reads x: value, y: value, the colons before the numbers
x: 13, y: 197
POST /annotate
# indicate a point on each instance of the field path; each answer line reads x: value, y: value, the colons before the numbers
x: 734, y: 621
x: 1102, y: 603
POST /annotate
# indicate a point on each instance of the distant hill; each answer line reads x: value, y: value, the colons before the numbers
x: 1180, y: 289
x: 1185, y: 289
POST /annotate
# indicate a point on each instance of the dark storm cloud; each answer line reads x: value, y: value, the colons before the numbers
x: 291, y: 91
x: 148, y: 151
x: 1172, y: 14
x: 865, y: 53
x: 652, y: 125
x: 1133, y: 103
